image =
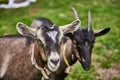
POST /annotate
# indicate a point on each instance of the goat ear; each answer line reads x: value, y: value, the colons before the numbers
x: 70, y: 28
x: 25, y: 30
x: 101, y: 32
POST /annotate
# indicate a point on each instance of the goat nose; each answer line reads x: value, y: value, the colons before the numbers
x: 54, y: 61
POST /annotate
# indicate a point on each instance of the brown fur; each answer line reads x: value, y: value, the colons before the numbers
x: 19, y: 66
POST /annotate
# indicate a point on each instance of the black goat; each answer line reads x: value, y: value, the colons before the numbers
x: 84, y: 40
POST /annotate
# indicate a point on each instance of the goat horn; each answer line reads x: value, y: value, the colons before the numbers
x: 89, y: 21
x: 76, y: 15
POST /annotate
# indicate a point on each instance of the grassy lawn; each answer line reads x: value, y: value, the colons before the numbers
x: 105, y: 13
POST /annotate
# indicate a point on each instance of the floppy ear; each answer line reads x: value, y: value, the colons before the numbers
x: 25, y: 30
x: 101, y: 32
x: 70, y: 28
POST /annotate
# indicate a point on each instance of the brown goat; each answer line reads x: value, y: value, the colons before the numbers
x: 16, y: 50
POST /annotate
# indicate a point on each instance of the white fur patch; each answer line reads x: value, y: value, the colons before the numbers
x: 52, y: 35
x: 5, y: 64
x: 54, y: 56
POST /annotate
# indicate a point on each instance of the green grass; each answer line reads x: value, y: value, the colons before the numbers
x: 105, y: 13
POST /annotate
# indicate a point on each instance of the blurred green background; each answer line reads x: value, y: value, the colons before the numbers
x: 105, y: 13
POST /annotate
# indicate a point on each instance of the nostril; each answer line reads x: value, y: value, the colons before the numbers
x: 54, y: 61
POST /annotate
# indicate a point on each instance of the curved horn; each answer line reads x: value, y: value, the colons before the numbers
x: 89, y: 21
x: 75, y: 13
x: 76, y: 16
